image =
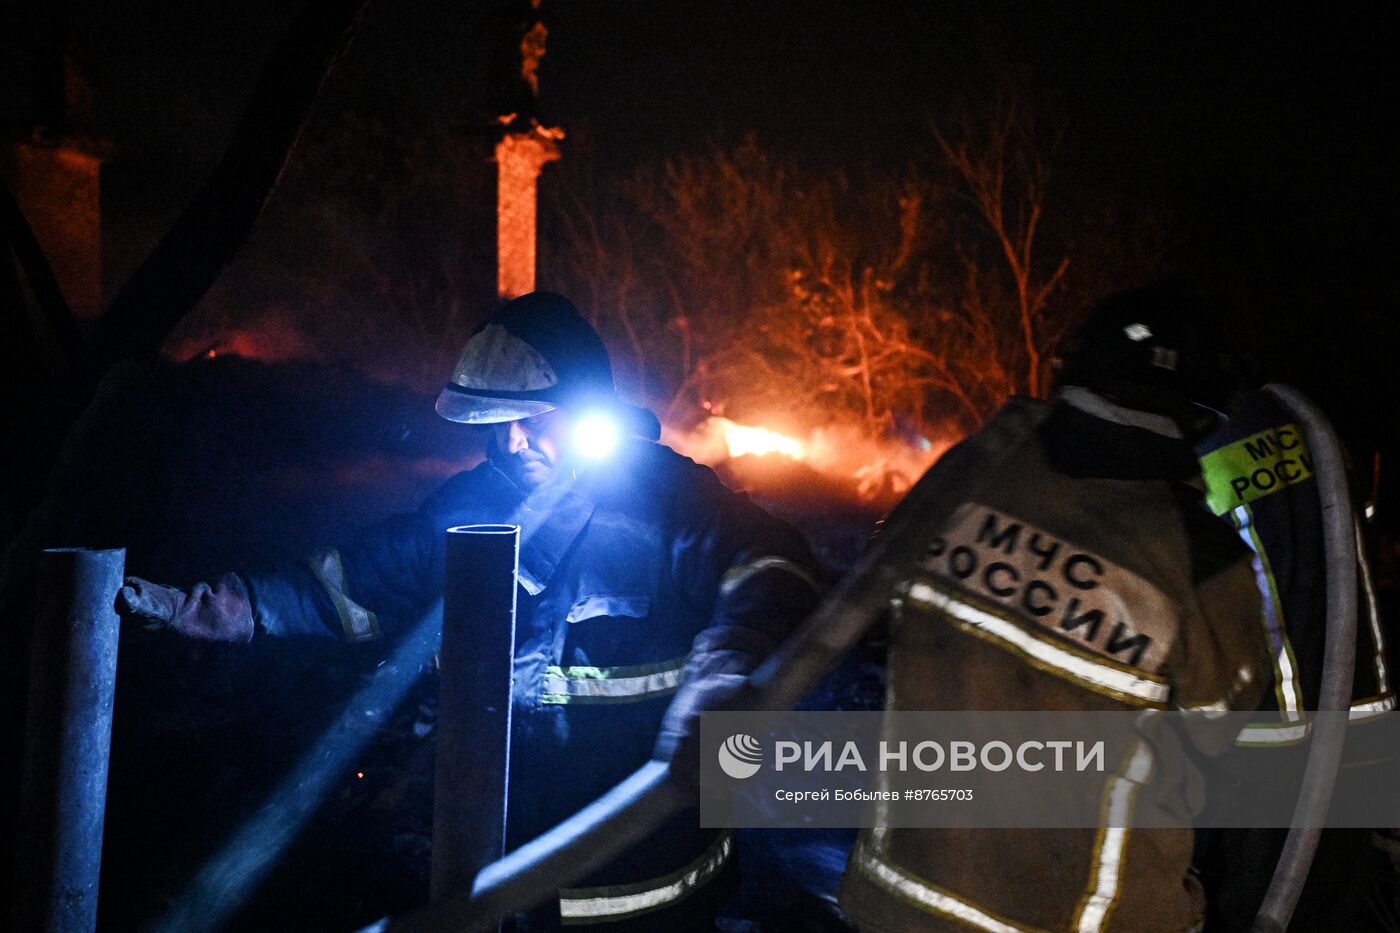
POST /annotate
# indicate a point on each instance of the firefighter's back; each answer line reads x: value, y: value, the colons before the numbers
x: 1072, y: 566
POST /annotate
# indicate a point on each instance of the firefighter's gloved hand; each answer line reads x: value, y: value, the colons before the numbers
x: 221, y: 612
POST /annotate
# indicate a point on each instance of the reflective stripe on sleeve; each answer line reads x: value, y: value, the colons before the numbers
x: 1373, y: 614
x: 1112, y: 840
x: 1258, y: 735
x: 618, y: 902
x: 740, y: 574
x: 1288, y: 686
x: 1365, y: 709
x: 358, y: 622
x: 611, y: 684
x: 928, y: 897
x: 1101, y: 677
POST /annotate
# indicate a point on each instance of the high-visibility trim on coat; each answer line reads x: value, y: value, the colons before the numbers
x: 738, y: 575
x: 1112, y: 839
x: 1256, y: 735
x: 1259, y: 735
x: 1105, y: 877
x: 1101, y: 676
x: 1373, y: 613
x: 358, y: 622
x: 1288, y: 688
x: 927, y: 896
x: 618, y: 902
x: 627, y: 684
x: 1365, y: 709
x: 1294, y: 726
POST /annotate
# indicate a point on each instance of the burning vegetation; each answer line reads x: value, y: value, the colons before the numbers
x: 883, y: 316
x: 876, y: 471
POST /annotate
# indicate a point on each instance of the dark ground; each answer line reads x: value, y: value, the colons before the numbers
x: 228, y: 463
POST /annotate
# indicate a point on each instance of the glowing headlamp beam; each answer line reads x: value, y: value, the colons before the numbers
x: 596, y: 435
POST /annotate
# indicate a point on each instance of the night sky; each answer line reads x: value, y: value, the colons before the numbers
x: 1268, y: 129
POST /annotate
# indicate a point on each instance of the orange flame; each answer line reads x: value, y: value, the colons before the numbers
x: 745, y: 439
x: 877, y: 469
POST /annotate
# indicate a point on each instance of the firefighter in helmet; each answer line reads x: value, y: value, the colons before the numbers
x: 1093, y: 497
x: 645, y: 586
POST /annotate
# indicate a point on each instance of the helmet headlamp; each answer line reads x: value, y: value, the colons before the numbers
x: 595, y: 435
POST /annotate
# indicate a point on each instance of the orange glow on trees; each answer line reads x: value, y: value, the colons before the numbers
x: 896, y: 310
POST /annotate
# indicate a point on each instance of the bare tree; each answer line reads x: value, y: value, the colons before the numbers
x: 1002, y: 165
x: 734, y: 281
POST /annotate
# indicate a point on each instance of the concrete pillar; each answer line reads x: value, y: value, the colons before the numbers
x: 519, y: 157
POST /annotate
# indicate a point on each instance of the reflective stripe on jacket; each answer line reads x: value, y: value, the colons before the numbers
x: 610, y: 903
x: 1069, y: 566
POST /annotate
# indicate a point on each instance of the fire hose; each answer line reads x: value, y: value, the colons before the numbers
x: 643, y: 801
x: 1324, y: 758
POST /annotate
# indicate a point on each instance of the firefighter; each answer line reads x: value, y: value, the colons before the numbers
x: 645, y: 586
x: 1070, y: 565
x: 1259, y: 478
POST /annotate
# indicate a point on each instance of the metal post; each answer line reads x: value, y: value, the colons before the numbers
x: 473, y: 730
x: 72, y: 679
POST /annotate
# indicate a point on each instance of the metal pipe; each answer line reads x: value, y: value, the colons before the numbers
x: 1339, y: 658
x: 473, y: 728
x: 72, y: 680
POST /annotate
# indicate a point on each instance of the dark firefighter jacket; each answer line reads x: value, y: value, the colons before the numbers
x: 1259, y: 479
x: 1070, y: 566
x: 637, y: 580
